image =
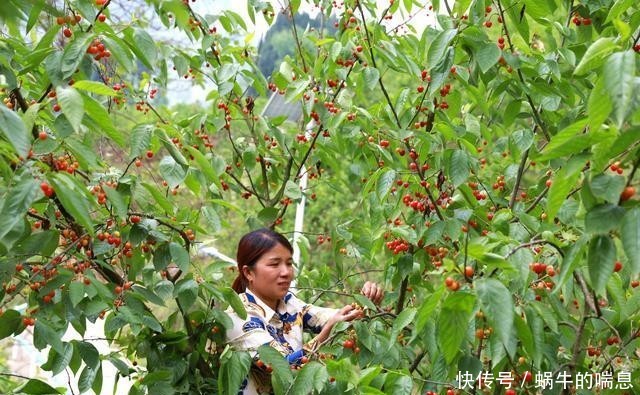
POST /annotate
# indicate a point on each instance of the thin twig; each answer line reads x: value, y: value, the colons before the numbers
x: 373, y: 62
x: 295, y: 36
x: 537, y: 200
x: 516, y: 186
x: 66, y: 370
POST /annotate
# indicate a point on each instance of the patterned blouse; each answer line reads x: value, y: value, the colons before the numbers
x: 281, y: 329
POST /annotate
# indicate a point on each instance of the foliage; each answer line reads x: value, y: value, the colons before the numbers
x: 486, y: 168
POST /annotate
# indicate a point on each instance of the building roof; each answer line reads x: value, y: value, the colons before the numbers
x: 277, y: 106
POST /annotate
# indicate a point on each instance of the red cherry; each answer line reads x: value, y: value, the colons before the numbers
x: 67, y: 32
x: 348, y: 343
x: 617, y: 266
x: 627, y: 193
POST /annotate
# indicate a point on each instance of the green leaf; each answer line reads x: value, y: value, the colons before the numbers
x: 295, y: 90
x: 72, y: 105
x: 61, y: 360
x: 402, y: 320
x: 607, y: 187
x: 538, y: 9
x: 460, y: 6
x: 385, y: 183
x: 497, y: 303
x: 173, y: 172
x: 159, y: 198
x: 439, y: 46
x: 180, y: 256
x: 281, y: 377
x: 86, y: 156
x: 74, y: 199
x: 569, y: 175
x: 10, y: 321
x: 213, y: 219
x: 456, y: 312
x: 487, y: 56
x: 425, y: 313
x: 117, y: 201
x: 74, y: 52
x: 87, y: 377
x: 234, y: 367
x: 292, y: 190
x: 205, y: 166
x: 15, y: 131
x: 149, y: 295
x: 99, y: 115
x: 364, y: 301
x: 140, y: 140
x: 601, y: 260
x: 595, y: 55
x: 603, y: 218
x: 569, y: 140
x: 599, y: 105
x: 619, y: 74
x: 522, y: 139
x: 459, y: 167
x: 618, y: 8
x: 630, y: 235
x: 95, y: 87
x: 120, y: 52
x: 164, y: 289
x: 231, y: 297
x: 398, y: 383
x: 186, y: 291
x: 343, y: 371
x: 524, y: 334
x: 36, y: 387
x: 44, y: 335
x: 42, y: 243
x: 17, y: 201
x: 76, y: 292
x: 143, y: 45
x: 371, y: 77
x: 313, y: 375
x: 168, y: 144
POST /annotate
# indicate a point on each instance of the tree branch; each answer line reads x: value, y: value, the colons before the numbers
x: 373, y: 62
x: 516, y: 186
x: 535, y: 113
x: 295, y: 36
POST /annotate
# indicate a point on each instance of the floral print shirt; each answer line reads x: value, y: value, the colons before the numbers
x: 281, y: 329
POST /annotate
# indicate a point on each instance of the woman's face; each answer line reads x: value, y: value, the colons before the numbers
x: 271, y: 276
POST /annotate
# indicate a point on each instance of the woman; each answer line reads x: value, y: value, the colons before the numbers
x: 274, y: 315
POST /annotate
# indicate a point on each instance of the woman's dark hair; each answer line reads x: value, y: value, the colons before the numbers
x: 251, y: 247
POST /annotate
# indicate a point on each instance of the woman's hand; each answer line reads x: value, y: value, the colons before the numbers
x: 373, y: 292
x: 347, y: 313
